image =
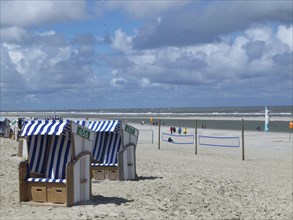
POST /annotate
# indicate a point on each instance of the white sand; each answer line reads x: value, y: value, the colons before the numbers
x: 176, y: 184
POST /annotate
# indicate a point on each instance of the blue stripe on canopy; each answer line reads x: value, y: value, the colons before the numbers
x: 83, y: 123
x: 59, y: 156
x: 112, y: 148
x: 99, y: 146
x: 37, y: 147
x: 105, y: 126
x: 45, y: 127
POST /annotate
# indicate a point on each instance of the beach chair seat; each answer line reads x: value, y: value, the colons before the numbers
x: 46, y: 180
x: 104, y: 165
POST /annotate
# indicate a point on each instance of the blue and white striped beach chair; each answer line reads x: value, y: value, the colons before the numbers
x: 113, y: 151
x: 106, y: 146
x: 48, y: 174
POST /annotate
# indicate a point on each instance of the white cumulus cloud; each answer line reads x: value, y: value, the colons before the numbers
x: 121, y: 41
x: 29, y: 13
x: 285, y: 35
x: 13, y: 34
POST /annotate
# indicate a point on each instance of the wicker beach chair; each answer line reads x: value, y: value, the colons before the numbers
x: 113, y: 152
x: 108, y: 167
x: 58, y: 167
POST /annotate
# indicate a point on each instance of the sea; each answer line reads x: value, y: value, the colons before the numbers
x: 228, y: 118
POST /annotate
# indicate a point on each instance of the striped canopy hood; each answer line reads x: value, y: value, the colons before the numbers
x: 45, y: 127
x: 102, y: 126
x: 106, y: 126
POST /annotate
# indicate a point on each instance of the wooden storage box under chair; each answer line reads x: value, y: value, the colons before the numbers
x: 57, y: 171
x: 102, y: 173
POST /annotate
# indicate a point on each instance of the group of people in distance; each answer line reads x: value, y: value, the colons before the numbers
x: 173, y: 130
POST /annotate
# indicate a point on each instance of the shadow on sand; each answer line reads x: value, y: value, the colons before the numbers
x: 101, y: 200
x: 147, y: 178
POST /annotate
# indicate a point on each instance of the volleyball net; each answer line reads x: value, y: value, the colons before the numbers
x: 178, y: 139
x: 218, y: 141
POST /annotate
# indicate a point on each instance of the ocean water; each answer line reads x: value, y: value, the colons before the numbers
x: 209, y: 117
x: 254, y: 117
x: 252, y: 111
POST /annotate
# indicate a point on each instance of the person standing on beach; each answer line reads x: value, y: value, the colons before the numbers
x: 179, y: 130
x: 185, y: 130
x: 171, y: 130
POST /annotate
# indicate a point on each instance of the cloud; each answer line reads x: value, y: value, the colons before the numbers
x: 121, y: 41
x: 47, y: 33
x: 254, y: 49
x: 63, y: 55
x: 46, y: 69
x: 145, y: 82
x: 30, y: 98
x: 204, y: 22
x: 285, y: 35
x: 247, y: 64
x: 117, y: 81
x: 190, y: 53
x: 139, y: 9
x: 159, y: 19
x: 283, y: 59
x: 14, y: 34
x: 31, y: 13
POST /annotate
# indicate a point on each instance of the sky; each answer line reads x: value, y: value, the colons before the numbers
x: 145, y: 54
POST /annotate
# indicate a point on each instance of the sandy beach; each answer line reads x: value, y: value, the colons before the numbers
x: 174, y: 183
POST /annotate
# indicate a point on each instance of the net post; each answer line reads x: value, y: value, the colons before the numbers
x: 152, y: 136
x: 195, y: 137
x: 159, y: 135
x: 242, y: 139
